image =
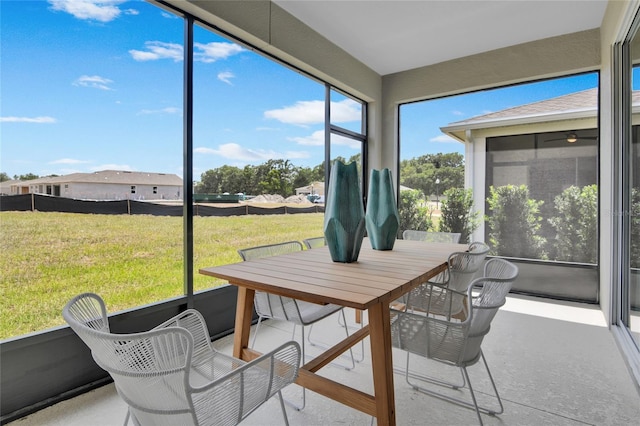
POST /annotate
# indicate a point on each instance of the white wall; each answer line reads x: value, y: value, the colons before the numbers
x: 92, y: 191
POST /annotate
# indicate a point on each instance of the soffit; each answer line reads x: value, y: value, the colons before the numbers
x: 393, y: 36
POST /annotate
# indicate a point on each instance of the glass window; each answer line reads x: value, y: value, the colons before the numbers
x: 520, y: 165
x: 347, y: 131
x: 555, y: 174
x: 258, y: 152
x: 105, y: 91
x: 100, y: 90
x: 631, y: 287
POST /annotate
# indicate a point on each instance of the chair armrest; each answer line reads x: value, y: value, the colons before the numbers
x: 437, y: 299
x: 194, y: 322
x: 245, y: 388
x: 441, y: 279
x: 428, y: 336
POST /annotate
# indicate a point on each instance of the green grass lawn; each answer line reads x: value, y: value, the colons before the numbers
x: 47, y: 258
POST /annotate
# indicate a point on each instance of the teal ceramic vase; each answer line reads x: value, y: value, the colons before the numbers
x: 382, y: 211
x: 344, y: 221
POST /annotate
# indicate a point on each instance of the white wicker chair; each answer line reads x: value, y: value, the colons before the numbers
x: 298, y: 312
x: 316, y: 242
x: 431, y: 237
x: 461, y: 270
x: 454, y: 342
x: 172, y: 375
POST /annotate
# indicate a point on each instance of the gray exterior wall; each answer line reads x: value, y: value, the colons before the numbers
x: 93, y: 191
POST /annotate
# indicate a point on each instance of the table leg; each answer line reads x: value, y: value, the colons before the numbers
x: 244, y: 314
x: 382, y: 363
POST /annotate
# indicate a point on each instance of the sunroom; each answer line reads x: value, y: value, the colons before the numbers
x: 374, y: 55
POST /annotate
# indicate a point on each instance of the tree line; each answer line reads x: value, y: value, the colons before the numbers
x: 430, y: 174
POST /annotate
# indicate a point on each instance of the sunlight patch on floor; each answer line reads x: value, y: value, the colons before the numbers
x: 564, y: 311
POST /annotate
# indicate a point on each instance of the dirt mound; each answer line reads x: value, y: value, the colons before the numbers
x: 297, y: 199
x: 268, y: 198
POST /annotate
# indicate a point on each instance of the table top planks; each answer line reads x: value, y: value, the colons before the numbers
x: 312, y: 276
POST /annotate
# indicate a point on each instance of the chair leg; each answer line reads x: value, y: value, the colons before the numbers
x: 302, y: 360
x: 284, y: 410
x: 473, y: 395
x: 346, y: 329
x: 343, y: 323
x: 465, y: 376
x: 493, y: 384
x: 255, y: 333
x: 429, y: 379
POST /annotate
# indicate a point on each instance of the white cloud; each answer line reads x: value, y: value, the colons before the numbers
x: 68, y: 161
x: 303, y: 112
x: 214, y: 51
x: 312, y: 112
x: 93, y: 10
x: 317, y: 139
x: 158, y: 50
x: 443, y: 138
x: 226, y: 77
x: 38, y: 120
x: 168, y: 110
x: 314, y: 139
x: 93, y: 81
x: 210, y: 52
x: 233, y: 151
x: 345, y: 111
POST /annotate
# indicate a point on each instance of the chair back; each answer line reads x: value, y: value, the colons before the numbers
x: 464, y: 265
x: 150, y: 369
x: 270, y: 305
x: 500, y: 268
x: 429, y: 336
x: 432, y: 237
x: 316, y: 242
x: 267, y: 250
x: 484, y: 307
x: 450, y: 340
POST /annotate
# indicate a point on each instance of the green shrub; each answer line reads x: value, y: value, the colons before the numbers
x: 576, y: 224
x: 413, y: 213
x: 458, y: 214
x: 514, y: 222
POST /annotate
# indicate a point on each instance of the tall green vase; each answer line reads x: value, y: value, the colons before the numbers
x: 382, y: 211
x: 344, y: 220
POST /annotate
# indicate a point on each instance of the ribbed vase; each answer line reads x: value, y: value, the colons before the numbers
x: 344, y: 221
x: 382, y: 211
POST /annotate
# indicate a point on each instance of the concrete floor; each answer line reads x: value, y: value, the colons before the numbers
x: 554, y: 363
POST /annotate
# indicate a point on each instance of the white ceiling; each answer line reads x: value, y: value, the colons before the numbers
x: 392, y: 35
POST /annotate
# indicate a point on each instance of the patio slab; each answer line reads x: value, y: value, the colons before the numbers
x: 553, y: 362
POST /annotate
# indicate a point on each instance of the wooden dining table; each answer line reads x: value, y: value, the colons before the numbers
x: 371, y: 283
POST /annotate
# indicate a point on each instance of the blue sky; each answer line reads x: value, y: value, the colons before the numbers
x: 91, y: 85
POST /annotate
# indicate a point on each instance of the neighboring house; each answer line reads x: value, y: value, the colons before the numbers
x: 106, y: 185
x: 5, y: 187
x: 315, y: 188
x: 547, y: 145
